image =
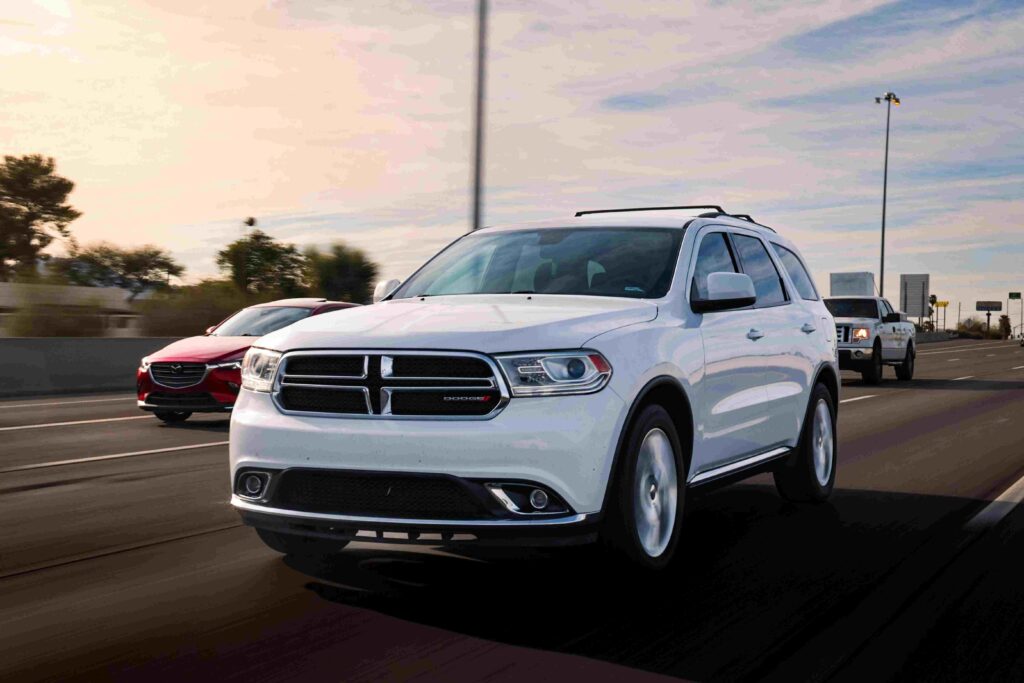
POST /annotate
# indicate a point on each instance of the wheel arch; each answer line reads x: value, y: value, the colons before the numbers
x: 827, y: 375
x: 669, y: 393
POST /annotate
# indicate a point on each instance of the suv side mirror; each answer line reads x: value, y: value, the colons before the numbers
x: 893, y: 318
x: 384, y: 288
x: 726, y: 291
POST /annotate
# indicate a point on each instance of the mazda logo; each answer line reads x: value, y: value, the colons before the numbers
x: 176, y: 369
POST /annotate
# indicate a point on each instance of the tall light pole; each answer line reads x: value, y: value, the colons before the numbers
x: 478, y: 132
x: 890, y: 99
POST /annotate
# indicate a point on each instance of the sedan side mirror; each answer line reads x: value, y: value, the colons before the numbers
x: 384, y: 288
x: 726, y: 291
x: 892, y: 318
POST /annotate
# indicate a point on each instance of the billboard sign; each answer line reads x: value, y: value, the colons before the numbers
x: 941, y: 304
x: 914, y: 290
x: 989, y: 306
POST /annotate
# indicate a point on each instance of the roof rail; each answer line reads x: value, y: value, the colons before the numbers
x: 653, y: 208
x: 749, y: 219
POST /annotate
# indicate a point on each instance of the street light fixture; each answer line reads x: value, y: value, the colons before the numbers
x: 890, y: 99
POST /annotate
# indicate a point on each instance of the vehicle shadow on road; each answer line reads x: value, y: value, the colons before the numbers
x: 755, y: 578
x: 220, y: 426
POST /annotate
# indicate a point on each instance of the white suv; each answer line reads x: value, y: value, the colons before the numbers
x: 553, y: 382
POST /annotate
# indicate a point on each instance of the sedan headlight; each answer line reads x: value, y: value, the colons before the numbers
x: 258, y: 368
x: 861, y: 334
x: 555, y: 373
x: 226, y: 365
x: 144, y: 363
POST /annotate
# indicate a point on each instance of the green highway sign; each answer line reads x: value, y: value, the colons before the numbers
x: 1014, y: 295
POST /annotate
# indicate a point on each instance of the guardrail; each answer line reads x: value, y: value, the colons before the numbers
x: 54, y: 365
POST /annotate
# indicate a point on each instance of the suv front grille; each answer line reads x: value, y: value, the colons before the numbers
x: 389, y: 384
x: 375, y: 495
x: 177, y: 375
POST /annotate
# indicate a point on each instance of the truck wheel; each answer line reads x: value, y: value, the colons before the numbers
x: 644, y: 522
x: 905, y: 370
x: 873, y: 373
x: 300, y: 546
x: 172, y: 416
x: 808, y: 475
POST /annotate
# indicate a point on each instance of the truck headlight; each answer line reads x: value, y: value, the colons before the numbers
x: 258, y: 368
x: 555, y: 372
x: 861, y: 334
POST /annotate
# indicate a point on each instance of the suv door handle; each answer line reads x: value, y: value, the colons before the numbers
x: 754, y: 335
x: 808, y: 328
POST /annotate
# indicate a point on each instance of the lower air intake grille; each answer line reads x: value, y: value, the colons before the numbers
x: 400, y: 496
x: 315, y: 400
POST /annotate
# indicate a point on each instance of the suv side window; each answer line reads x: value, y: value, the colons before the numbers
x: 758, y: 265
x: 714, y: 256
x: 797, y: 272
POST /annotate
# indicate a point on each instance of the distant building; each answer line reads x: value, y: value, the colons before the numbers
x: 105, y: 311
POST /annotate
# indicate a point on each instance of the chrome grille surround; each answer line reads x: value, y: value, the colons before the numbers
x: 186, y: 375
x: 382, y: 379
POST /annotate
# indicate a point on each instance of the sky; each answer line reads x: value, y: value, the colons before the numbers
x: 352, y: 121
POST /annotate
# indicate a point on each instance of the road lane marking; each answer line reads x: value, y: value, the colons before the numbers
x: 963, y: 349
x: 113, y: 456
x: 950, y: 360
x: 957, y: 379
x: 857, y: 398
x: 989, y: 355
x: 992, y: 513
x: 1019, y: 367
x: 75, y: 422
x: 66, y: 403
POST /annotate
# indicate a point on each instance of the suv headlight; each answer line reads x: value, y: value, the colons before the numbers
x: 555, y: 372
x: 258, y: 368
x: 861, y: 334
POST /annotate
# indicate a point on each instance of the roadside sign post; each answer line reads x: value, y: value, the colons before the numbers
x: 944, y: 305
x: 987, y: 307
x: 1016, y: 296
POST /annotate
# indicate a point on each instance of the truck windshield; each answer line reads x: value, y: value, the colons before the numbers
x: 852, y: 308
x: 635, y: 263
x: 258, y: 321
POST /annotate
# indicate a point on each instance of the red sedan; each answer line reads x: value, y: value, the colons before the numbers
x: 203, y: 374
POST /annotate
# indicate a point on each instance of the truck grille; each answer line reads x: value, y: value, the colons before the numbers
x: 390, y: 384
x: 843, y: 334
x: 375, y: 495
x: 177, y: 375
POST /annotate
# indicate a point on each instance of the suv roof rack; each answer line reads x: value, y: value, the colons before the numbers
x: 653, y: 208
x: 717, y: 211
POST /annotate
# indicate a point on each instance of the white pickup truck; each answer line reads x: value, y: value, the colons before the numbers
x: 870, y: 335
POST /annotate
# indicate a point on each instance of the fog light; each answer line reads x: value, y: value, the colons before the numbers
x: 538, y: 499
x: 858, y: 354
x: 233, y: 387
x: 253, y: 485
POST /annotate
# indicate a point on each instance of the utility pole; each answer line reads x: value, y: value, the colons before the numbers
x: 958, y: 315
x: 478, y: 133
x: 890, y: 99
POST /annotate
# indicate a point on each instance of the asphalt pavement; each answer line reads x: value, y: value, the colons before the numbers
x: 120, y: 559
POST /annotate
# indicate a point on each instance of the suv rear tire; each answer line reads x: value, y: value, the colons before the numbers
x: 300, y: 546
x: 172, y: 416
x: 873, y: 373
x: 809, y: 474
x: 645, y: 519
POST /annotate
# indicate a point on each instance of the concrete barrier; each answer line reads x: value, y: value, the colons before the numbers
x: 54, y: 365
x: 928, y: 337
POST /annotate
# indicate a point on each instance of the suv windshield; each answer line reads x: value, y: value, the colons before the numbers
x: 636, y: 263
x: 852, y: 308
x: 256, y: 322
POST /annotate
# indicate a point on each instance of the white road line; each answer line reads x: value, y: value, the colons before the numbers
x: 1019, y: 367
x: 115, y: 456
x: 857, y: 398
x: 964, y: 349
x: 957, y: 379
x: 989, y: 355
x: 950, y: 360
x: 75, y: 422
x: 992, y: 513
x: 66, y: 403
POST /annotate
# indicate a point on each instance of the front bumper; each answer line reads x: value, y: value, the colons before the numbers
x: 855, y: 357
x: 565, y: 444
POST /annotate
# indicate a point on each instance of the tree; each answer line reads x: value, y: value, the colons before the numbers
x: 105, y: 265
x: 343, y: 273
x: 257, y: 263
x: 1005, y: 331
x: 32, y: 210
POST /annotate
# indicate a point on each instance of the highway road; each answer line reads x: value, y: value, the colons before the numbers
x: 120, y: 559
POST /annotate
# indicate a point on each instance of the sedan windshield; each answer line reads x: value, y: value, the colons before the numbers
x: 258, y: 321
x: 852, y: 308
x: 635, y: 263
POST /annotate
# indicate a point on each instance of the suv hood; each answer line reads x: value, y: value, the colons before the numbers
x: 203, y: 349
x: 489, y: 323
